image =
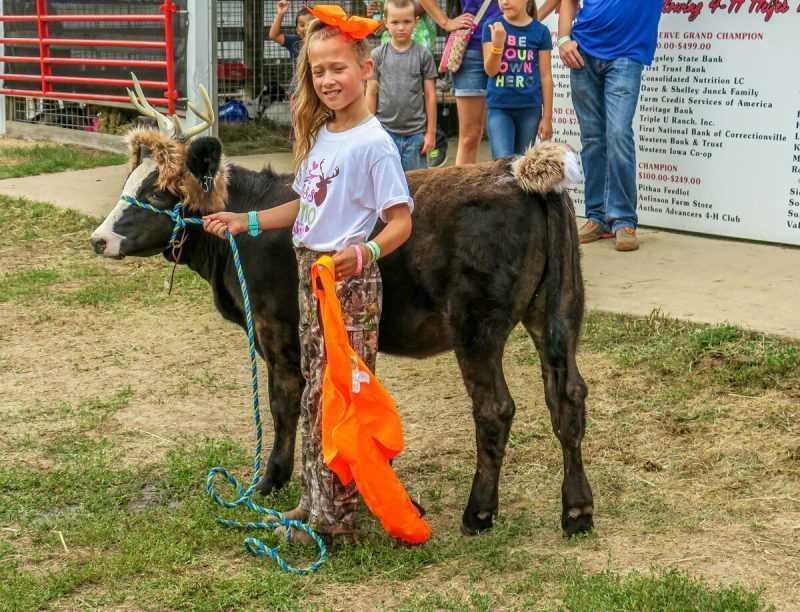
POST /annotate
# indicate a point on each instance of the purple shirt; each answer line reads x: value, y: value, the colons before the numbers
x: 492, y: 13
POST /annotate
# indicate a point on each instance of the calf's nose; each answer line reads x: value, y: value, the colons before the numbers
x: 99, y: 245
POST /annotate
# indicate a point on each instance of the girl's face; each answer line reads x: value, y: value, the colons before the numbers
x: 513, y: 9
x: 337, y: 75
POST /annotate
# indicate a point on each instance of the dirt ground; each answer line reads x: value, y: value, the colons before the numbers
x: 711, y: 488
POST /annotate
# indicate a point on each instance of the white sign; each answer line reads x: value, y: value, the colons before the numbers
x: 718, y: 126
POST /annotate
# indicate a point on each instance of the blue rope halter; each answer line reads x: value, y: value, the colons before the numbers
x: 253, y: 545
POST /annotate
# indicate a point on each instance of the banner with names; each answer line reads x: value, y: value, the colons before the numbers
x: 718, y: 124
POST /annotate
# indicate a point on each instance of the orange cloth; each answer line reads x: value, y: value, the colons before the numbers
x: 361, y: 429
x: 357, y: 28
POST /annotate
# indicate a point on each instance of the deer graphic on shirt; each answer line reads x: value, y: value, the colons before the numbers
x: 322, y: 184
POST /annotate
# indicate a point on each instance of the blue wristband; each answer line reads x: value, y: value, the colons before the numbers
x: 252, y: 223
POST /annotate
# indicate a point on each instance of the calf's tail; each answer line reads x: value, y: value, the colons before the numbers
x: 545, y: 171
x: 547, y: 167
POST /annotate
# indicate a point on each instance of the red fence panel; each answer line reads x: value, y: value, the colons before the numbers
x: 168, y: 94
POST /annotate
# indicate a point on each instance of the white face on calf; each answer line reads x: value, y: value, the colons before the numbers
x: 105, y: 239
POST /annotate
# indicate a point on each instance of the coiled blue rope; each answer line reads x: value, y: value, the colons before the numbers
x: 253, y: 545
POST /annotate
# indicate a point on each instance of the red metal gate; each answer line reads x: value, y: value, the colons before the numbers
x: 168, y: 94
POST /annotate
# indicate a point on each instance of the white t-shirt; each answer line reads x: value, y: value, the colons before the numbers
x: 347, y: 181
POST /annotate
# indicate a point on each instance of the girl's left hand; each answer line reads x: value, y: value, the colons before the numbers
x: 545, y: 129
x: 345, y: 262
x: 498, y: 33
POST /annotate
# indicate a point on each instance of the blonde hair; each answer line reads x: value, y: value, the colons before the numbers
x: 399, y: 4
x: 310, y: 113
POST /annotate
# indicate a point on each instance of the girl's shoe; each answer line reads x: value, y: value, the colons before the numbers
x: 298, y: 535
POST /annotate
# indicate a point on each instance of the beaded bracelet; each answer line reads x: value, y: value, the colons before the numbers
x: 496, y: 51
x: 374, y: 249
x: 359, y: 259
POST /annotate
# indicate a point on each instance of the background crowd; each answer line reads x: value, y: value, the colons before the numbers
x: 504, y: 85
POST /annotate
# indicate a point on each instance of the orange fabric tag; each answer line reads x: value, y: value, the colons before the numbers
x: 357, y: 28
x: 361, y: 429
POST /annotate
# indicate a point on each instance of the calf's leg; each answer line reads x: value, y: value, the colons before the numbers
x: 285, y: 390
x: 480, y: 360
x: 565, y: 394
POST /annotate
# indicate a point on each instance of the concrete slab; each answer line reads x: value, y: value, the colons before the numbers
x: 95, y: 191
x: 696, y: 278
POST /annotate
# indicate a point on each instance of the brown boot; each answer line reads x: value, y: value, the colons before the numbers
x: 298, y: 535
x: 338, y: 536
x: 592, y: 231
x: 296, y: 514
x: 626, y: 239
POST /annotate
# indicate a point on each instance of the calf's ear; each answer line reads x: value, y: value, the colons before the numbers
x: 205, y: 183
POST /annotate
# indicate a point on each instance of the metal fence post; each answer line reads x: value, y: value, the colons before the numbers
x: 3, y: 99
x: 201, y: 54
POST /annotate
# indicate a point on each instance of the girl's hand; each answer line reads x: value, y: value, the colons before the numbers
x: 462, y: 22
x: 283, y: 6
x: 218, y: 223
x: 345, y: 261
x: 545, y: 129
x: 498, y: 35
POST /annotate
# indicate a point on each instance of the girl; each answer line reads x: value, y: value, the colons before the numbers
x: 348, y: 174
x: 469, y: 82
x: 516, y: 56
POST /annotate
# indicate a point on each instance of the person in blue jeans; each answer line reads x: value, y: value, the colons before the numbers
x: 516, y: 56
x: 469, y: 81
x: 606, y: 44
x: 402, y: 89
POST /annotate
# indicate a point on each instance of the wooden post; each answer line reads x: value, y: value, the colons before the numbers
x: 254, y: 34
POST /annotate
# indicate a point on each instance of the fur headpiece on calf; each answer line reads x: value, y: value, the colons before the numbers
x: 167, y: 152
x: 548, y: 166
x: 195, y: 171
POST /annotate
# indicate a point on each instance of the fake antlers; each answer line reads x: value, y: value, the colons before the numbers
x: 172, y: 124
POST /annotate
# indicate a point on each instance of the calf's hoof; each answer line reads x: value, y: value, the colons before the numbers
x: 577, y: 520
x: 473, y: 523
x: 274, y: 479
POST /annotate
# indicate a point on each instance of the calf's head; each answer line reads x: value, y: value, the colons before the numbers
x: 165, y: 168
x: 163, y: 172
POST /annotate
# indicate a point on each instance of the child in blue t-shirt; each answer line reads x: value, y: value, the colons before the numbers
x: 516, y: 56
x: 291, y: 42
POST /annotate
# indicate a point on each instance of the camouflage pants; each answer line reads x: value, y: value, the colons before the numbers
x: 331, y: 506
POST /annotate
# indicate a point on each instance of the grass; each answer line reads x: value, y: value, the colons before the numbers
x: 54, y: 264
x: 17, y: 161
x: 691, y: 449
x: 722, y: 355
x: 254, y: 137
x: 26, y: 283
x: 126, y: 528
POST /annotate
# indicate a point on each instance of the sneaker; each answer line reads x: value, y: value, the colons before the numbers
x: 592, y: 231
x: 626, y: 239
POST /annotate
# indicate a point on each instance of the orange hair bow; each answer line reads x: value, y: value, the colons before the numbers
x: 357, y: 28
